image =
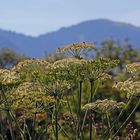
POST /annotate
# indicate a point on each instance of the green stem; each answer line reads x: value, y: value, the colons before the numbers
x: 46, y: 123
x: 34, y: 127
x: 95, y: 91
x: 56, y: 118
x: 109, y: 124
x: 8, y: 115
x: 69, y: 107
x: 1, y: 137
x: 17, y: 124
x: 91, y: 98
x: 53, y: 119
x: 116, y: 120
x: 10, y: 125
x: 79, y: 111
x: 0, y: 115
x: 127, y: 119
x: 108, y: 120
x: 64, y: 132
x: 27, y: 129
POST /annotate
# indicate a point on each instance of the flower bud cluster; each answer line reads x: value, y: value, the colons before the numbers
x: 104, y: 106
x: 132, y: 85
x: 77, y: 46
x: 8, y: 77
x: 29, y: 63
x: 77, y: 50
x: 132, y: 88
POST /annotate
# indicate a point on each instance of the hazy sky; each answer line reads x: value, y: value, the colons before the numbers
x: 34, y: 17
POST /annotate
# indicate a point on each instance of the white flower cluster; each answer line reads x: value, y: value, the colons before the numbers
x: 132, y: 85
x: 104, y: 106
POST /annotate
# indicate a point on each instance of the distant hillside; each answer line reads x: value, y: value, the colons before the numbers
x: 90, y: 31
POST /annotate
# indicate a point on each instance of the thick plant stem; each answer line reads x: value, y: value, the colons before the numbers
x: 46, y: 122
x: 106, y: 133
x: 10, y: 125
x: 109, y: 124
x: 0, y: 116
x: 56, y: 118
x: 20, y: 130
x: 108, y: 121
x: 127, y: 119
x: 34, y: 127
x: 62, y: 129
x: 85, y: 115
x: 1, y: 137
x: 12, y: 117
x: 70, y: 109
x: 46, y: 125
x: 27, y: 130
x: 8, y: 115
x: 64, y: 132
x: 91, y: 98
x: 79, y: 110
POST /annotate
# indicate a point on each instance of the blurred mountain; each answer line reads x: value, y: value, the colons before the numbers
x: 88, y: 31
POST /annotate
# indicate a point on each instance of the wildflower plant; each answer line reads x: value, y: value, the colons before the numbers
x: 22, y: 89
x: 31, y: 69
x: 88, y: 70
x: 40, y: 99
x: 8, y: 77
x: 57, y: 86
x: 78, y: 50
x: 104, y: 106
x: 8, y: 80
x: 30, y: 97
x: 134, y: 69
x: 131, y: 87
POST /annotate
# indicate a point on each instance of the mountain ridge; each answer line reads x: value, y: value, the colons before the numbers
x: 88, y: 31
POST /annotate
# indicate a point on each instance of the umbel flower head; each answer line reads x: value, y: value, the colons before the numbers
x: 31, y: 68
x: 66, y: 62
x: 134, y: 69
x: 29, y: 97
x: 65, y: 69
x: 132, y: 88
x: 63, y: 64
x: 97, y: 69
x: 29, y: 63
x: 58, y: 87
x: 132, y: 85
x: 104, y: 106
x: 77, y: 50
x: 8, y: 77
x: 81, y: 69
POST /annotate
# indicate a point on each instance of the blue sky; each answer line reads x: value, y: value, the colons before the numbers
x: 34, y: 17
